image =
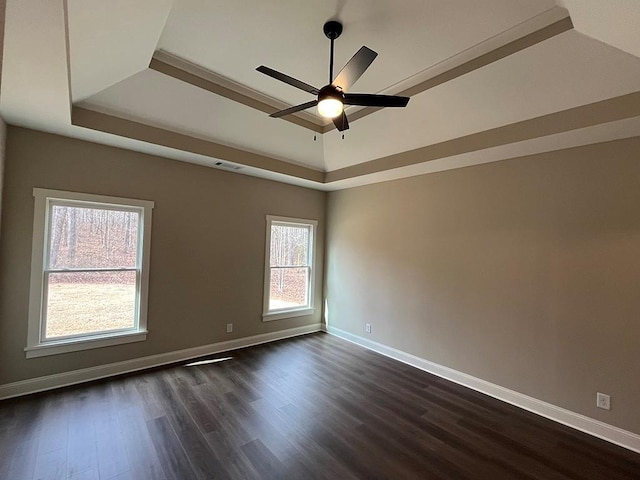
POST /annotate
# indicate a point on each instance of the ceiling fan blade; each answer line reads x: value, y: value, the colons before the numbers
x: 354, y: 68
x: 341, y: 122
x: 370, y: 100
x: 297, y: 108
x: 287, y: 79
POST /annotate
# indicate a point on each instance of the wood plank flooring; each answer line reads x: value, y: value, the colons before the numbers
x: 313, y: 407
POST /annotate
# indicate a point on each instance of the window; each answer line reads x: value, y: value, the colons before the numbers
x: 89, y: 272
x: 288, y: 290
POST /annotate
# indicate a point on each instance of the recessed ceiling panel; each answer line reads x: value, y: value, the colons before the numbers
x: 566, y: 71
x: 233, y: 37
x: 156, y: 99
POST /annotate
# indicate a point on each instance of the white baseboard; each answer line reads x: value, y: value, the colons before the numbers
x: 585, y: 424
x: 39, y: 384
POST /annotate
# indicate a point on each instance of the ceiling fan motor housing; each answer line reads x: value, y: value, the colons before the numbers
x: 330, y: 91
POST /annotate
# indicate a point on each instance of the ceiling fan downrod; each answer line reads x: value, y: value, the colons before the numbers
x: 332, y: 30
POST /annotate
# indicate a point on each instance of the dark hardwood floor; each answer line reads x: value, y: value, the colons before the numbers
x: 311, y: 407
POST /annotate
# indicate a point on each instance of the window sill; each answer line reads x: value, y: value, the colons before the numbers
x: 76, y: 345
x: 267, y: 317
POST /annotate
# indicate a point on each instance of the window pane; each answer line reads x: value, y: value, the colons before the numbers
x: 90, y: 302
x: 92, y: 238
x: 289, y: 288
x: 289, y: 245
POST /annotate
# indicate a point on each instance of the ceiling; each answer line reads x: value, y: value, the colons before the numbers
x: 488, y: 80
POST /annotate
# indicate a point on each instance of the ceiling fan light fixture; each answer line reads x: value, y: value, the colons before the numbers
x: 330, y: 102
x: 330, y: 107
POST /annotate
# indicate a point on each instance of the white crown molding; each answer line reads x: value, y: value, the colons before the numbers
x: 184, y: 70
x: 49, y: 382
x: 221, y: 80
x: 566, y: 417
x: 549, y: 24
x: 518, y: 32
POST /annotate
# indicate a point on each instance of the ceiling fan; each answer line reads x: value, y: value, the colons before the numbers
x: 333, y: 97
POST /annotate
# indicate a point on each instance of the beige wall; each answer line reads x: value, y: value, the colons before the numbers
x: 207, y: 245
x: 3, y: 11
x: 524, y: 273
x: 3, y: 144
x: 3, y: 125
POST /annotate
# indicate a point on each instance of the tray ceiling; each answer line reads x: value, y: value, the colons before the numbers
x: 81, y: 68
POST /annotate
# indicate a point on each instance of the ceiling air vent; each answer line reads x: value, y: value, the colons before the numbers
x: 228, y: 166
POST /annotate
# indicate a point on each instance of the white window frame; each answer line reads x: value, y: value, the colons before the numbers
x: 45, y: 199
x: 268, y: 315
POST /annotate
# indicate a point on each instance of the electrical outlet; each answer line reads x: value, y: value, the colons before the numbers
x: 229, y: 327
x: 603, y: 401
x: 367, y: 327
